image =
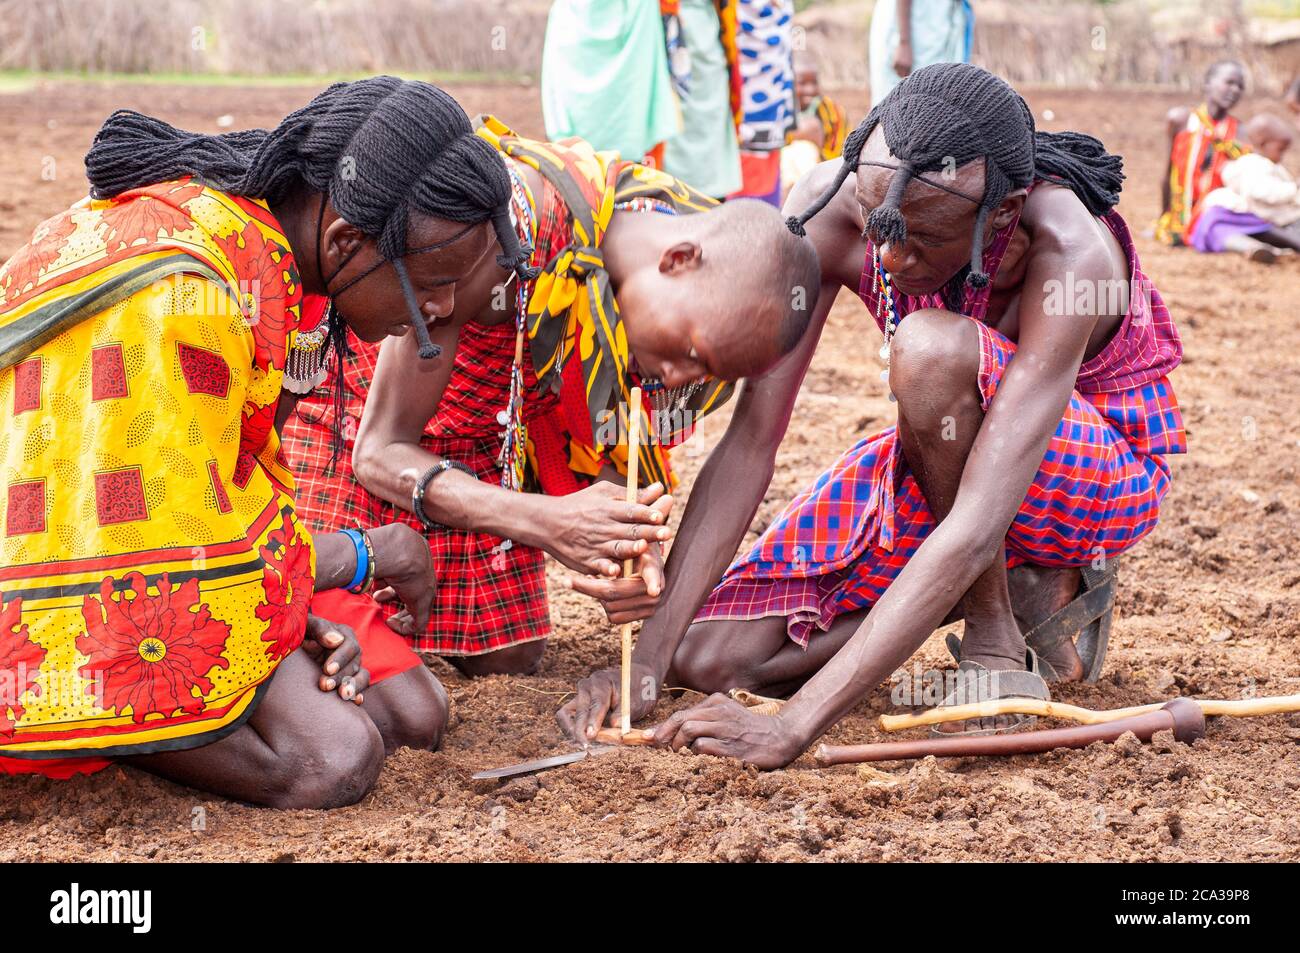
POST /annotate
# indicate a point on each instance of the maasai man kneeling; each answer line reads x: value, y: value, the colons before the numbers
x: 1201, y: 142
x: 1033, y: 429
x: 636, y: 279
x: 156, y: 598
x: 1256, y: 212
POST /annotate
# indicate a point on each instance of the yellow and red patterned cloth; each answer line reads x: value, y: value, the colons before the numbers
x: 154, y: 572
x: 1196, y: 161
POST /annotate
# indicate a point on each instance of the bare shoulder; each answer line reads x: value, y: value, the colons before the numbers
x: 1061, y: 228
x: 836, y: 231
x: 1176, y: 119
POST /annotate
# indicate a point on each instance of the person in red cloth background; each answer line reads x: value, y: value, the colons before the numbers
x: 1201, y: 142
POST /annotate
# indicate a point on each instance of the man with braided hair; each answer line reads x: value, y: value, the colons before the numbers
x: 161, y: 601
x: 1029, y: 451
x: 641, y: 280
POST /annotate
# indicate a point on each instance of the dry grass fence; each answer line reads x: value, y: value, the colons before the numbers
x: 272, y: 37
x: 1067, y: 42
x: 1088, y: 43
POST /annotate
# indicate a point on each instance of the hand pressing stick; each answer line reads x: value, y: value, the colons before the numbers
x: 629, y: 565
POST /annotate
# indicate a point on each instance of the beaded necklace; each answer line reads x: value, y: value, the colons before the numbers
x: 886, y: 311
x: 306, y: 365
x: 514, y: 438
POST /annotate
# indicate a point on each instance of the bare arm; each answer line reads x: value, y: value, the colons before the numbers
x: 903, y: 54
x: 733, y: 481
x: 587, y: 531
x: 726, y: 495
x: 388, y: 459
x: 1003, y: 462
x: 336, y: 560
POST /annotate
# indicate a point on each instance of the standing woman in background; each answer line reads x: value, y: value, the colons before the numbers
x: 605, y: 77
x: 909, y: 34
x: 705, y: 69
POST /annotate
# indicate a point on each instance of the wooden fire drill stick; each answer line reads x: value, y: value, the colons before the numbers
x: 629, y: 565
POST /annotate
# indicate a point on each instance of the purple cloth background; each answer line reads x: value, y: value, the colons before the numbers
x: 1217, y: 224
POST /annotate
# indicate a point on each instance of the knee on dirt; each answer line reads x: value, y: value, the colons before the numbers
x: 523, y: 659
x: 420, y: 721
x: 332, y: 766
x: 704, y: 665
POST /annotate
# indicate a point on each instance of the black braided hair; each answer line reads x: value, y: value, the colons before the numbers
x: 949, y: 114
x: 380, y: 148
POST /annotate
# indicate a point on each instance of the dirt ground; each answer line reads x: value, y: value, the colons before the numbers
x: 1209, y: 605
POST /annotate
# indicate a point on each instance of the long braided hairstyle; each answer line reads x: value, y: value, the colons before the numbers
x: 949, y: 114
x: 379, y: 148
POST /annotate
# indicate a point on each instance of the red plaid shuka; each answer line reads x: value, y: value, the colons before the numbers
x: 488, y: 597
x: 841, y: 542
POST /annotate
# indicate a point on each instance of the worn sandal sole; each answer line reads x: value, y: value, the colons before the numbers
x: 1010, y: 683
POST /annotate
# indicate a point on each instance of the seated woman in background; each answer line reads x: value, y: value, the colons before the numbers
x: 1201, y: 142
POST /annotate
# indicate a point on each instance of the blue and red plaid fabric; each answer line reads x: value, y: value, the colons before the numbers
x: 839, y: 544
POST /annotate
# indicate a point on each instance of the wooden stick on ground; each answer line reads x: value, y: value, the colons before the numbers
x: 757, y: 704
x: 629, y: 565
x: 1240, y: 708
x: 1182, y: 716
x: 616, y: 736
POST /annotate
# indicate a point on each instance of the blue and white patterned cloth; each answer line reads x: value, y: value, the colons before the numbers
x: 764, y: 41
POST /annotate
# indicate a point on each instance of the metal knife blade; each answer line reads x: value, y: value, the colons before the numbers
x: 528, y: 767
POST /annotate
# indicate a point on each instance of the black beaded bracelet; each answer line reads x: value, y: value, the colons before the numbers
x: 422, y: 486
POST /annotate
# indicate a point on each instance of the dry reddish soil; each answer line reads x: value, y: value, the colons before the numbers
x: 1209, y: 605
